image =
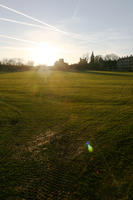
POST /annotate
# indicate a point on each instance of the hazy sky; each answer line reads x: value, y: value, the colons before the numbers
x: 72, y: 27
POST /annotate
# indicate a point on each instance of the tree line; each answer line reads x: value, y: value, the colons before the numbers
x: 15, y: 65
x: 86, y: 62
x: 109, y: 62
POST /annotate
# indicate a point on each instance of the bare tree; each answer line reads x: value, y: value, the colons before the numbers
x: 13, y: 61
x: 86, y: 57
x: 98, y: 58
x: 30, y: 63
x: 112, y: 57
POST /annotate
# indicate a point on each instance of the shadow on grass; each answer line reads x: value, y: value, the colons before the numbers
x: 110, y: 74
x: 106, y: 73
x: 3, y: 73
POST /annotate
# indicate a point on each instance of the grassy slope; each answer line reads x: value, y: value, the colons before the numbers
x: 77, y: 107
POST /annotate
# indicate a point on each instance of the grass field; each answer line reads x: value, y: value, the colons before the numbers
x: 46, y: 119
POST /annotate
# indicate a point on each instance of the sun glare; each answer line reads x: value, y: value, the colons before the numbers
x: 44, y: 54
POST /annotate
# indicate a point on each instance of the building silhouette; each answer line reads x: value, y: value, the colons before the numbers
x: 60, y: 64
x: 125, y: 63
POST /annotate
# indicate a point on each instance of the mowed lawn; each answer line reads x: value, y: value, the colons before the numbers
x: 46, y: 118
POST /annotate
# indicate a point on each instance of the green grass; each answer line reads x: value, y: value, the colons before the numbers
x: 46, y: 119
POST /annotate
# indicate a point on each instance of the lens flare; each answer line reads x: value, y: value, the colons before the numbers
x: 90, y: 148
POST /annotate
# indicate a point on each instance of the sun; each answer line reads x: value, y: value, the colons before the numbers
x: 44, y: 53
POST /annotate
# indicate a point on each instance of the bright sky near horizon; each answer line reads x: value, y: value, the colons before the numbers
x: 46, y: 30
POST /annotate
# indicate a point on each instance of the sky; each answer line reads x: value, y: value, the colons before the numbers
x: 46, y: 30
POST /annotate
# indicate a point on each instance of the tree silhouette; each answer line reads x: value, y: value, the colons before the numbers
x: 92, y: 59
